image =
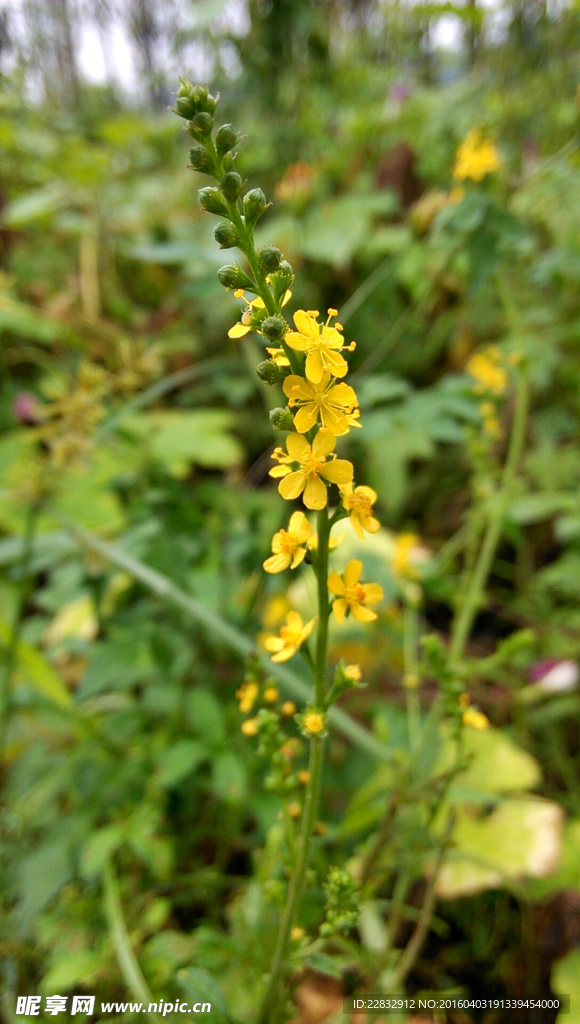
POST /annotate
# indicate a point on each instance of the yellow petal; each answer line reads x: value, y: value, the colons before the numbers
x: 277, y: 563
x: 305, y: 418
x: 368, y: 492
x: 342, y: 394
x: 273, y: 643
x: 299, y: 555
x: 323, y: 444
x: 356, y: 525
x: 297, y: 446
x: 297, y: 387
x: 300, y: 527
x: 238, y: 331
x: 294, y: 620
x: 372, y: 524
x: 296, y: 341
x: 314, y: 368
x: 307, y: 325
x: 338, y: 472
x: 335, y: 583
x: 285, y: 654
x: 336, y: 363
x: 335, y: 421
x: 315, y: 494
x: 279, y: 471
x: 339, y: 608
x: 292, y: 486
x: 373, y: 593
x: 362, y: 614
x: 352, y: 572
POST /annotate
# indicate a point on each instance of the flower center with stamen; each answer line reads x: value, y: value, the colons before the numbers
x: 354, y: 594
x: 312, y: 466
x: 285, y: 543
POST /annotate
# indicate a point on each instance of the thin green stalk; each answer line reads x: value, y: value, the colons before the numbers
x: 470, y: 606
x: 12, y: 648
x: 411, y: 677
x: 275, y: 993
x: 126, y: 958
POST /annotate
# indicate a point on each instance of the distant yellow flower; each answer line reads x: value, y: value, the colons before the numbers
x: 487, y: 373
x: 475, y: 719
x: 353, y: 672
x: 291, y: 637
x: 288, y: 545
x: 353, y: 596
x: 297, y: 934
x: 408, y: 556
x: 303, y: 466
x: 303, y: 776
x: 249, y: 727
x: 330, y: 402
x: 313, y: 722
x: 271, y: 695
x: 322, y: 344
x: 476, y: 157
x: 288, y: 708
x: 359, y: 502
x: 246, y: 695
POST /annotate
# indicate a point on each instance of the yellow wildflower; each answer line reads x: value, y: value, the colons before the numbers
x: 246, y: 696
x: 488, y: 375
x: 288, y: 545
x: 271, y: 695
x: 359, y: 502
x: 291, y: 637
x: 288, y: 708
x: 297, y: 934
x: 476, y: 157
x: 245, y: 324
x: 353, y: 596
x: 353, y: 672
x: 303, y: 466
x: 408, y: 556
x: 330, y: 402
x: 475, y: 718
x: 294, y: 809
x: 322, y: 344
x: 313, y: 722
x: 249, y: 727
x: 303, y: 776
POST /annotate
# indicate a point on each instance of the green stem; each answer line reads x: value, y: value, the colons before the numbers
x: 410, y: 669
x: 464, y: 622
x: 15, y: 633
x: 126, y: 958
x: 276, y: 990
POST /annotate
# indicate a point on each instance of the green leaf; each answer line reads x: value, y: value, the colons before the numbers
x: 229, y: 777
x: 496, y: 764
x: 178, y: 439
x: 41, y: 875
x: 34, y: 205
x: 566, y: 982
x: 179, y: 761
x: 98, y: 849
x: 206, y: 717
x: 37, y: 670
x: 80, y: 965
x: 200, y: 986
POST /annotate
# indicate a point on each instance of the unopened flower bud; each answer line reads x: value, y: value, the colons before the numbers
x: 269, y: 258
x: 211, y: 200
x: 281, y: 419
x: 226, y: 138
x: 281, y: 279
x: 271, y: 373
x: 231, y: 185
x: 225, y: 235
x: 184, y: 107
x: 232, y: 276
x: 200, y: 125
x: 255, y: 204
x: 274, y: 328
x: 200, y: 159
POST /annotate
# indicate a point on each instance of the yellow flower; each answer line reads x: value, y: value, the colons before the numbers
x: 246, y: 695
x: 353, y: 596
x: 245, y: 324
x: 476, y: 157
x: 297, y: 934
x: 322, y: 344
x: 288, y: 545
x: 330, y: 402
x: 278, y: 356
x: 312, y: 463
x: 487, y: 373
x: 474, y: 718
x: 270, y: 695
x: 249, y: 727
x: 303, y: 776
x: 359, y: 502
x: 314, y: 722
x: 291, y: 638
x: 353, y: 672
x: 288, y: 708
x: 408, y: 556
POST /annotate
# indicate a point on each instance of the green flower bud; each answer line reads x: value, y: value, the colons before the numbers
x: 269, y: 258
x: 228, y: 162
x: 185, y: 89
x: 274, y: 328
x: 232, y: 276
x: 281, y: 419
x: 200, y: 160
x: 211, y: 103
x: 200, y: 125
x: 184, y: 107
x: 226, y: 138
x: 254, y: 204
x: 231, y: 185
x: 281, y: 279
x: 199, y: 95
x: 211, y: 200
x: 225, y: 235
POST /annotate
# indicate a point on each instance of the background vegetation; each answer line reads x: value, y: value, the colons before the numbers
x: 136, y: 511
